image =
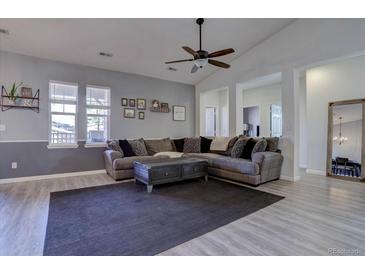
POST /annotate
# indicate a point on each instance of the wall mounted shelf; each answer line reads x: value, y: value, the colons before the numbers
x: 20, y: 102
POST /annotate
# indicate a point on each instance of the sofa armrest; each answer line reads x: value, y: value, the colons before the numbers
x: 110, y: 156
x: 270, y: 165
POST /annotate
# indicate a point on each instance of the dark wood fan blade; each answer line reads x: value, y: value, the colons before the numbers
x: 179, y: 61
x: 218, y: 63
x: 220, y: 53
x: 194, y: 68
x: 191, y: 51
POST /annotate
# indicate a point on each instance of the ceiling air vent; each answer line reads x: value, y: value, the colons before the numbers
x: 4, y: 31
x: 106, y: 54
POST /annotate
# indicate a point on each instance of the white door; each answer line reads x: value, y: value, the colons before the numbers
x: 276, y: 121
x: 210, y: 121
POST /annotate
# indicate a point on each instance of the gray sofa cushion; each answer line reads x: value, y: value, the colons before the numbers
x: 160, y: 145
x: 207, y: 156
x: 127, y: 163
x: 192, y: 145
x: 237, y: 165
x: 272, y: 143
x: 138, y: 147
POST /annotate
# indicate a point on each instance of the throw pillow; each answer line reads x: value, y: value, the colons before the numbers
x: 179, y: 144
x: 220, y: 144
x: 205, y: 144
x: 238, y: 147
x: 138, y: 147
x: 247, y: 150
x: 260, y: 146
x: 230, y: 146
x: 159, y: 145
x: 192, y: 145
x: 114, y: 145
x: 272, y: 144
x: 127, y: 148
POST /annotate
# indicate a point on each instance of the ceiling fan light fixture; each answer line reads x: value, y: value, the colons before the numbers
x: 201, y: 62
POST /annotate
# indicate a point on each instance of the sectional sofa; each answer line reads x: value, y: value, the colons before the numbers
x: 263, y: 166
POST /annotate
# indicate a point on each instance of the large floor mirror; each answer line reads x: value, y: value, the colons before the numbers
x: 345, y: 144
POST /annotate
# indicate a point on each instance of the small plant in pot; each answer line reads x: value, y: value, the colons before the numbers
x: 13, y: 93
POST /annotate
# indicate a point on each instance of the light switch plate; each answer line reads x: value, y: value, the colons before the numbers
x: 14, y: 165
x: 2, y: 127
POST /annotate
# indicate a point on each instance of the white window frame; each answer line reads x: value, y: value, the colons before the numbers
x: 98, y: 144
x: 50, y: 101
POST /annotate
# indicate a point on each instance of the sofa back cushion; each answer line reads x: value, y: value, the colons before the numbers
x: 205, y: 144
x: 138, y: 147
x: 179, y: 144
x: 158, y: 145
x: 192, y: 145
x: 127, y: 148
x: 272, y: 144
x: 238, y: 147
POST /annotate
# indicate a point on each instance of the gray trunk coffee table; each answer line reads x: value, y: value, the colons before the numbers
x: 169, y: 171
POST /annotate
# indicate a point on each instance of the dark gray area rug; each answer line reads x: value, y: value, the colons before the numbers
x: 123, y: 219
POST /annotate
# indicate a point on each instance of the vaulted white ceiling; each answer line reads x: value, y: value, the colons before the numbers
x: 139, y: 46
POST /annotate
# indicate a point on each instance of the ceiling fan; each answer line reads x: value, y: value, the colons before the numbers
x: 202, y: 57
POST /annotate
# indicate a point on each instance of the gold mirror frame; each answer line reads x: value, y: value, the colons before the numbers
x: 330, y: 139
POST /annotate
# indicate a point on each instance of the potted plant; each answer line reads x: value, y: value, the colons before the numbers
x: 13, y: 93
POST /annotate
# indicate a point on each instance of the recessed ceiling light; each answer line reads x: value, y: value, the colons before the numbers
x: 4, y: 31
x: 172, y: 69
x: 106, y: 54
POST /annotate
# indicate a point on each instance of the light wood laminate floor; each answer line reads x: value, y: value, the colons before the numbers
x: 317, y: 214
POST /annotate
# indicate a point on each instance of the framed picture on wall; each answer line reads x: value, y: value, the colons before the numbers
x: 141, y: 115
x: 178, y: 113
x: 129, y: 113
x: 141, y: 103
x: 124, y: 102
x: 26, y: 92
x: 132, y: 103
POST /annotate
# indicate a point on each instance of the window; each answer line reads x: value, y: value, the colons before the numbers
x: 276, y: 121
x: 210, y: 121
x: 98, y: 114
x: 63, y: 113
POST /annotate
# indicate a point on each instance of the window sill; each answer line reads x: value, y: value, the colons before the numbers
x: 57, y: 146
x: 91, y: 145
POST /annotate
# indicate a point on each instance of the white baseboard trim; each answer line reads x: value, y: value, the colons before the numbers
x: 51, y: 176
x: 289, y: 178
x: 316, y: 172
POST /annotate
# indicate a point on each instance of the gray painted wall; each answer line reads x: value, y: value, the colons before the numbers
x: 27, y: 126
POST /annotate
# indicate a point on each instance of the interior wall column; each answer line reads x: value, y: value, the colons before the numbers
x: 290, y: 109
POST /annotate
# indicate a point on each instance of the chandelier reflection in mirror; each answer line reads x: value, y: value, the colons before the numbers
x: 340, y: 139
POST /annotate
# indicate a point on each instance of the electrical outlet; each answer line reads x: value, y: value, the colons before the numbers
x: 2, y: 127
x: 14, y: 165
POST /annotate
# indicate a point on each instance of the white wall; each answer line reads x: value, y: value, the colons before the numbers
x: 352, y: 148
x: 36, y: 73
x: 219, y: 100
x: 335, y: 82
x: 263, y: 97
x: 303, y: 43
